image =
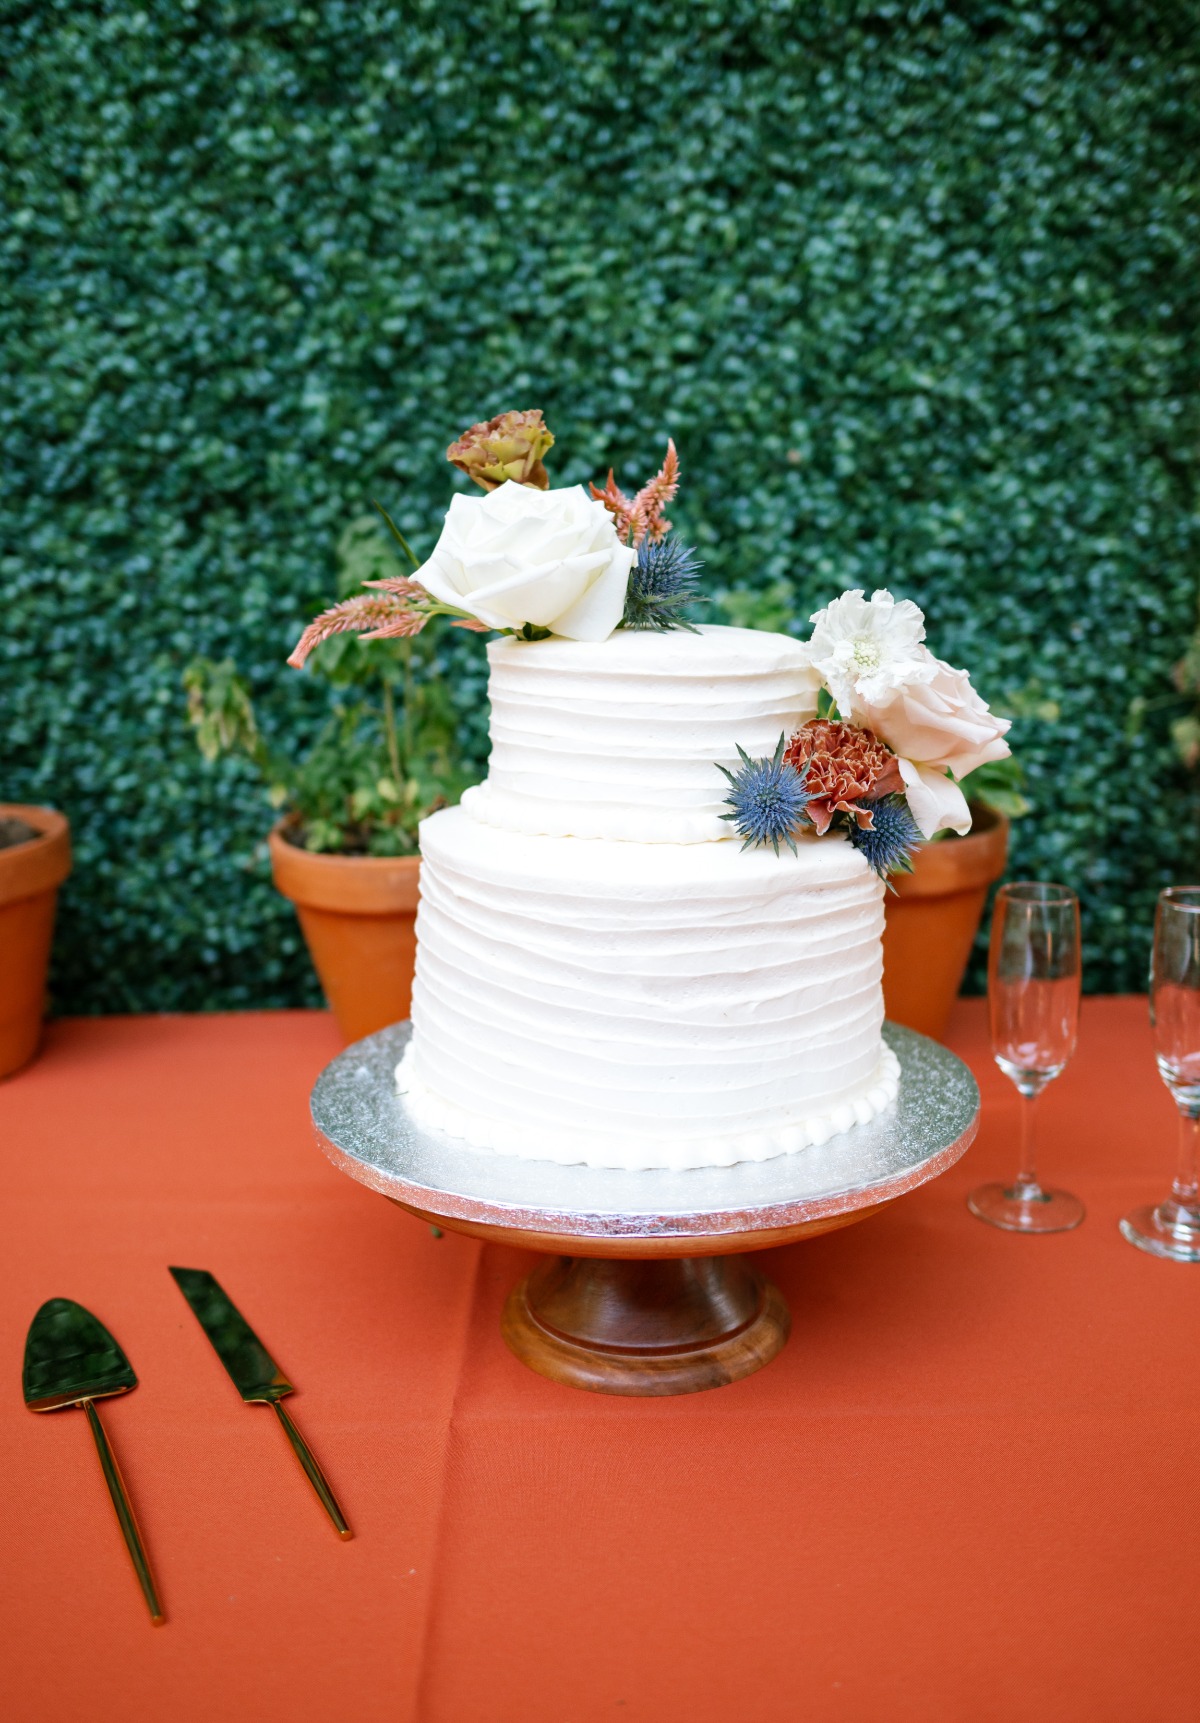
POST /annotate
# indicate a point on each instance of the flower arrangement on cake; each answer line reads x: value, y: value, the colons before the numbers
x: 893, y: 729
x: 526, y: 560
x: 882, y: 759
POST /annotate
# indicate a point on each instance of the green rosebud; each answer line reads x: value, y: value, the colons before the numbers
x: 508, y: 448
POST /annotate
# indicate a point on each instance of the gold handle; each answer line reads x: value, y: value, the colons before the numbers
x: 313, y: 1472
x: 125, y: 1519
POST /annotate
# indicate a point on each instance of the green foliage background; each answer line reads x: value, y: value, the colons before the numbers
x: 916, y: 289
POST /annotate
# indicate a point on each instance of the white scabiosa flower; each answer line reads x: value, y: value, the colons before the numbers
x: 865, y: 648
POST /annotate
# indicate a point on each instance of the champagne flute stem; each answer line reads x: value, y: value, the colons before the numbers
x: 1185, y: 1190
x: 1180, y: 1213
x: 1026, y: 1186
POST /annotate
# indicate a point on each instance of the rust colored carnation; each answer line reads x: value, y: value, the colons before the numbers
x: 842, y: 766
x: 508, y: 448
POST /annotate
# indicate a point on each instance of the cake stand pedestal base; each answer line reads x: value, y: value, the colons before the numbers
x: 644, y: 1287
x: 674, y: 1326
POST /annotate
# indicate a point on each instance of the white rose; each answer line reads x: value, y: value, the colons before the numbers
x: 518, y: 555
x: 937, y: 724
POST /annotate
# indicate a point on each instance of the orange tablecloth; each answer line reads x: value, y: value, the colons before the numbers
x: 965, y: 1490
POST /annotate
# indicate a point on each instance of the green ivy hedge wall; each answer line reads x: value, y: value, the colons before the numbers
x: 916, y: 290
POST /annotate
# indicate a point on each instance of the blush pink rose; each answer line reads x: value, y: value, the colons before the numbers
x: 937, y: 726
x: 942, y: 722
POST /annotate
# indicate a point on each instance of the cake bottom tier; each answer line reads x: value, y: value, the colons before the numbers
x: 644, y: 1005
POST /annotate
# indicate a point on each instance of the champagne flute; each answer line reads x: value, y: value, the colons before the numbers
x: 1033, y: 1005
x: 1172, y: 1229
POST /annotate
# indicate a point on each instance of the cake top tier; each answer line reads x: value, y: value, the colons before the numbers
x: 621, y: 739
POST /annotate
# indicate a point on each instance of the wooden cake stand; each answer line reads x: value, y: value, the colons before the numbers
x: 646, y: 1288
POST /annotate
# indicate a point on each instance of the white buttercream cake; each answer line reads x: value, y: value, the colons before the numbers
x: 604, y: 975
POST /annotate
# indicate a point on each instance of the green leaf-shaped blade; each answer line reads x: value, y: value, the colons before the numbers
x: 69, y: 1357
x: 255, y: 1373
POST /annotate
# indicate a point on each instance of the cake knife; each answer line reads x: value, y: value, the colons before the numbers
x: 72, y: 1360
x: 256, y: 1376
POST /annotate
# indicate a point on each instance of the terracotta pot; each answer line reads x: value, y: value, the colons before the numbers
x: 30, y: 875
x: 358, y: 916
x: 932, y: 919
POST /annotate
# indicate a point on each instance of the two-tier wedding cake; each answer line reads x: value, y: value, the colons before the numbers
x: 652, y: 936
x: 602, y: 975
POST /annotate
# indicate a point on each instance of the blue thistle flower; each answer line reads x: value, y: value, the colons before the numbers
x: 894, y: 835
x: 660, y: 584
x: 768, y: 799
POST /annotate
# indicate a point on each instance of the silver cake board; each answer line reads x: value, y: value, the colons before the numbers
x: 647, y: 1291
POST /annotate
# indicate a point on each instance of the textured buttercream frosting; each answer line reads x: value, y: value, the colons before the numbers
x: 644, y: 1004
x: 618, y: 739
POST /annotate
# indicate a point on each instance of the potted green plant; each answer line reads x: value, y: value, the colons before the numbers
x: 345, y: 849
x: 35, y: 858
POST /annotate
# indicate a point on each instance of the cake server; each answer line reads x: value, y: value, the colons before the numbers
x: 256, y: 1376
x: 72, y: 1360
